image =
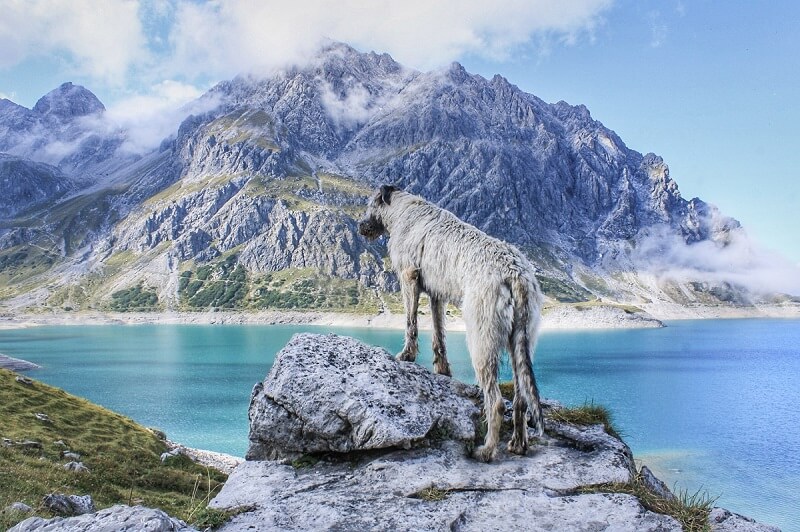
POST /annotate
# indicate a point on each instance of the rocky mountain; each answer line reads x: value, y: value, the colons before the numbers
x: 254, y: 204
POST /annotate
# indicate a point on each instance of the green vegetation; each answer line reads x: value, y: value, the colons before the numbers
x: 135, y: 299
x: 123, y: 458
x: 308, y: 289
x: 563, y: 291
x: 222, y: 284
x: 690, y: 510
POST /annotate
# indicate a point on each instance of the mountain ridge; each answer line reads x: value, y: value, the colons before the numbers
x: 276, y: 174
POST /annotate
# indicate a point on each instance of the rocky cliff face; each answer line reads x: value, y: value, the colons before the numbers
x: 277, y: 173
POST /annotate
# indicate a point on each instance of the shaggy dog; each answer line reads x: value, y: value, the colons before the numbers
x: 434, y: 252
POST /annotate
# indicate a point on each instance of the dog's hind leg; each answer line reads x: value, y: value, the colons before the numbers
x: 410, y: 287
x: 440, y: 363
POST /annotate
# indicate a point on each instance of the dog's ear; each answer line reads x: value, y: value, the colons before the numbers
x: 386, y: 193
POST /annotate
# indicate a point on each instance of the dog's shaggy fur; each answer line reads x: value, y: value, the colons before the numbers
x: 434, y: 252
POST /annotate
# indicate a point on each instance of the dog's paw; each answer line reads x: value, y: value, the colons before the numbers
x: 518, y: 446
x: 484, y: 453
x: 442, y: 369
x: 406, y: 356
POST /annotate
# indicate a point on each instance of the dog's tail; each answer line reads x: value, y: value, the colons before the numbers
x: 524, y: 331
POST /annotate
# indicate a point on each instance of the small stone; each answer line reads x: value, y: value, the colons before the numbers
x: 655, y: 484
x: 18, y: 507
x: 24, y: 380
x: 119, y: 517
x: 170, y: 454
x: 76, y: 467
x: 60, y: 443
x: 42, y: 417
x: 7, y: 442
x: 69, y: 455
x: 68, y: 505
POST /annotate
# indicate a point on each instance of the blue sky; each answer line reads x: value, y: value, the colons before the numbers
x: 710, y: 86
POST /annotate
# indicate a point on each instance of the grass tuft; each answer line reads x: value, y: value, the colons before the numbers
x: 431, y: 494
x: 588, y: 414
x: 691, y: 510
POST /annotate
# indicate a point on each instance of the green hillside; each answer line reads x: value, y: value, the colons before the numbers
x: 124, y: 458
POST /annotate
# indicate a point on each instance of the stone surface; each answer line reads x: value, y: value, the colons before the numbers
x: 655, y: 484
x: 327, y: 393
x: 76, y: 467
x: 722, y: 520
x: 18, y: 507
x: 68, y: 505
x: 116, y: 518
x: 17, y: 364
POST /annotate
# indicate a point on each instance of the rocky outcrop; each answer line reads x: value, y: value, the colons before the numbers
x: 119, y: 517
x: 367, y: 442
x: 386, y: 446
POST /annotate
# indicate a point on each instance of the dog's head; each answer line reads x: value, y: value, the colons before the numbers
x: 372, y: 224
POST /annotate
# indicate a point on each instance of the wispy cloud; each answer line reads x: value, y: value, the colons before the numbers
x: 658, y: 29
x: 127, y: 40
x: 149, y: 118
x: 238, y: 35
x: 739, y: 261
x: 101, y: 41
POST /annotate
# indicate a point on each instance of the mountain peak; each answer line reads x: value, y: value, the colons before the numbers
x: 68, y: 101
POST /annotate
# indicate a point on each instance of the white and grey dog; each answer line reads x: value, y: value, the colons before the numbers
x: 434, y: 252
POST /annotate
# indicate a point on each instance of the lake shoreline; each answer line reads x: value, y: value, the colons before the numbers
x: 561, y: 317
x: 558, y: 317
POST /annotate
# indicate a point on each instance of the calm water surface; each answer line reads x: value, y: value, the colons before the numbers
x: 707, y: 404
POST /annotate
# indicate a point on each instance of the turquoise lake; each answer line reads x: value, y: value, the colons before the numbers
x: 710, y: 404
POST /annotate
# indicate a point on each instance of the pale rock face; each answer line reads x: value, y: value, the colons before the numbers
x: 119, y: 517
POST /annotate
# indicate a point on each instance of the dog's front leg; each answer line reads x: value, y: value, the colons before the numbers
x: 410, y: 287
x: 440, y: 364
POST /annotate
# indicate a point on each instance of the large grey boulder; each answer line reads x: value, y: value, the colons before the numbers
x: 119, y: 517
x: 328, y: 393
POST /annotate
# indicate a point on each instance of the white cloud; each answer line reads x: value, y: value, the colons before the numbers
x: 658, y: 29
x: 4, y: 96
x: 149, y: 118
x: 226, y: 38
x: 741, y: 261
x: 98, y: 39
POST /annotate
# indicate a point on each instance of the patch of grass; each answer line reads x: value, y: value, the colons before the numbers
x: 123, y: 457
x: 588, y: 414
x: 431, y: 494
x: 691, y: 510
x: 212, y: 518
x: 307, y: 460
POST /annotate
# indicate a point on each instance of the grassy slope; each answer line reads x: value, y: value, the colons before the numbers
x: 123, y: 457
